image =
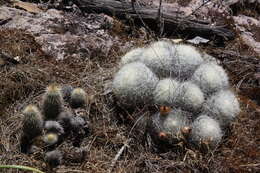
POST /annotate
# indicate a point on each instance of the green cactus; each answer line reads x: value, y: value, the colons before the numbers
x: 32, y: 123
x: 52, y: 102
x: 78, y: 98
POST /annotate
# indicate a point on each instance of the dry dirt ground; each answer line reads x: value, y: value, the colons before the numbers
x: 111, y: 127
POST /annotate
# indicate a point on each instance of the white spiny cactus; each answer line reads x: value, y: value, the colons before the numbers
x: 131, y: 56
x: 134, y: 83
x: 206, y: 130
x: 223, y: 106
x: 210, y: 77
x: 185, y: 61
x: 190, y: 97
x: 175, y: 121
x: 159, y: 58
x: 166, y: 92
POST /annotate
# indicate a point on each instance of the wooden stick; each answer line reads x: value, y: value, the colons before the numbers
x: 172, y: 21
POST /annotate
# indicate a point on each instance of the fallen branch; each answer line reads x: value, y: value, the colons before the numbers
x: 172, y: 21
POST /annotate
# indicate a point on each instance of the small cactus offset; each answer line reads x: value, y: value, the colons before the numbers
x: 78, y: 98
x: 32, y: 123
x: 54, y: 127
x: 53, y: 158
x: 52, y: 102
x: 168, y: 124
x: 206, y: 130
x: 51, y: 138
x: 66, y: 91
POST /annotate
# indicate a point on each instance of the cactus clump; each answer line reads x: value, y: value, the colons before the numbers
x: 184, y: 78
x: 52, y: 102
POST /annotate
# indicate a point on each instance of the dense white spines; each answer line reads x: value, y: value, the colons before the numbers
x: 134, y: 83
x: 175, y: 121
x: 166, y: 92
x: 185, y: 61
x: 191, y: 97
x: 208, y: 58
x: 210, y: 77
x: 159, y: 58
x: 223, y: 106
x: 206, y: 129
x: 190, y: 80
x: 132, y: 56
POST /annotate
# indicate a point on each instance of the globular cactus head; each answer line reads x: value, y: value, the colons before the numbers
x: 159, y: 58
x: 53, y: 158
x: 64, y: 119
x: 51, y: 138
x: 168, y: 124
x: 53, y: 127
x: 32, y: 122
x: 166, y: 92
x: 78, y: 98
x: 131, y: 56
x: 206, y: 130
x: 52, y: 102
x: 190, y: 97
x: 134, y: 83
x: 222, y: 106
x: 66, y: 91
x: 210, y: 77
x: 77, y: 122
x: 175, y: 121
x: 185, y: 60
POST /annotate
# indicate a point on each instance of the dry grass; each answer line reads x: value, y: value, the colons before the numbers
x: 111, y: 126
